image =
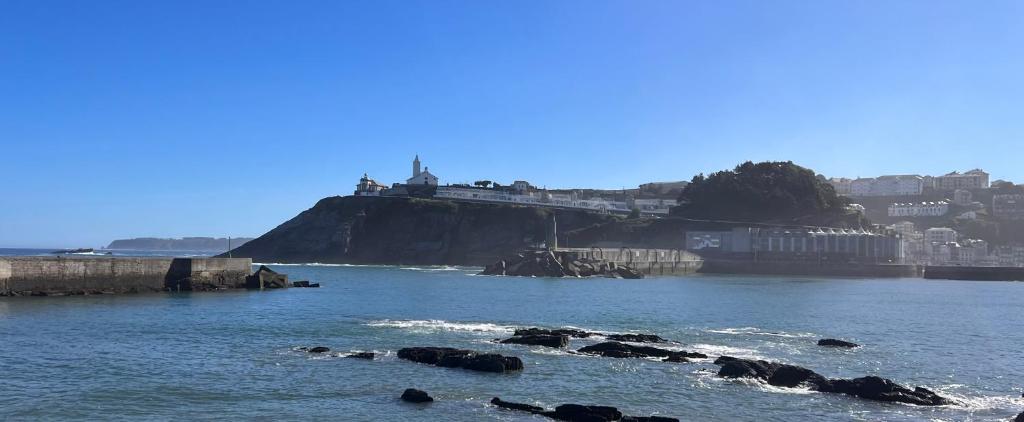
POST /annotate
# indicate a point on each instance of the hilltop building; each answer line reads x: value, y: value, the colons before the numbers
x: 369, y: 187
x: 423, y: 178
x: 973, y: 179
x: 897, y: 185
x: 651, y: 199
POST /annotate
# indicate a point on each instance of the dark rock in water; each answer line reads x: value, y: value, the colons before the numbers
x: 413, y: 395
x: 556, y: 332
x: 637, y: 338
x: 626, y: 272
x: 361, y: 355
x: 577, y: 412
x: 676, y: 359
x: 265, y: 278
x: 831, y: 342
x: 614, y: 349
x: 539, y: 340
x: 319, y: 349
x: 457, y: 358
x: 516, y: 406
x: 881, y: 389
x: 871, y: 387
x: 1020, y: 417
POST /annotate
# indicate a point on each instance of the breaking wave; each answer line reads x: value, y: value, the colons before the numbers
x: 759, y: 332
x: 442, y: 325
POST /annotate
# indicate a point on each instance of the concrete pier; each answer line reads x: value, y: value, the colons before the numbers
x: 59, y: 275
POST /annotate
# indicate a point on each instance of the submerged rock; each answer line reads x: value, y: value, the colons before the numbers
x: 317, y: 349
x: 579, y: 413
x: 1020, y: 417
x: 555, y: 332
x: 516, y: 406
x: 637, y: 338
x: 539, y: 340
x: 458, y: 358
x: 413, y: 395
x: 871, y: 387
x: 831, y: 342
x: 361, y: 355
x: 614, y: 349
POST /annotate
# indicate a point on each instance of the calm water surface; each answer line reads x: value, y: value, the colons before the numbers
x: 232, y: 354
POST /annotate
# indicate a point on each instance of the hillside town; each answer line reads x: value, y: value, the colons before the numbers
x: 926, y: 211
x: 932, y: 216
x: 650, y: 199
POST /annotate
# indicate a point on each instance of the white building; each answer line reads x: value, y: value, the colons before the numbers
x: 922, y: 209
x: 974, y: 179
x: 654, y: 206
x: 536, y: 198
x: 368, y: 187
x: 421, y: 177
x: 896, y: 185
x: 939, y: 235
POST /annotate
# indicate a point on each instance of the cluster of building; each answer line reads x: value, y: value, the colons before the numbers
x: 944, y: 246
x: 909, y: 184
x: 650, y: 198
x: 799, y: 244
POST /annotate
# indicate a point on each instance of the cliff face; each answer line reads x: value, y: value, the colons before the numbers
x: 374, y: 230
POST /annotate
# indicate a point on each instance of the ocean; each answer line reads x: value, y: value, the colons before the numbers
x: 234, y: 355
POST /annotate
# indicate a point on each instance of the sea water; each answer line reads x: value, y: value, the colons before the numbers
x: 234, y: 355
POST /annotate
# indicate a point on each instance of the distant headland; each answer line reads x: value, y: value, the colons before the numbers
x: 211, y: 244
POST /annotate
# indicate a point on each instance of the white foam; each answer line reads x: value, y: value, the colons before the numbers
x: 441, y: 325
x: 440, y: 268
x: 714, y: 350
x: 759, y: 332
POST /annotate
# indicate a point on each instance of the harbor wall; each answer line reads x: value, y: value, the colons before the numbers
x: 44, y: 276
x: 974, y: 273
x: 802, y: 268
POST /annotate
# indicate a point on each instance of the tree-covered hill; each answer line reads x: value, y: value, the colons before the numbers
x: 771, y: 191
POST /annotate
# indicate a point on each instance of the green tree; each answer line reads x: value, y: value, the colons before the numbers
x: 766, y: 191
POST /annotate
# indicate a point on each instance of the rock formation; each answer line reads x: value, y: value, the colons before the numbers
x: 831, y: 342
x: 448, y: 357
x: 579, y: 413
x: 615, y: 349
x: 555, y: 332
x: 547, y: 264
x: 539, y: 340
x: 870, y: 387
x: 413, y: 395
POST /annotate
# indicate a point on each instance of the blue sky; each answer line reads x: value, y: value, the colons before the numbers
x: 214, y: 118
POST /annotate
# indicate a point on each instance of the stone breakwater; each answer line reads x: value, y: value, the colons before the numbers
x: 59, y: 276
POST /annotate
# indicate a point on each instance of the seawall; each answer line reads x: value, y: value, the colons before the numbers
x: 800, y: 268
x: 974, y: 273
x: 44, y: 276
